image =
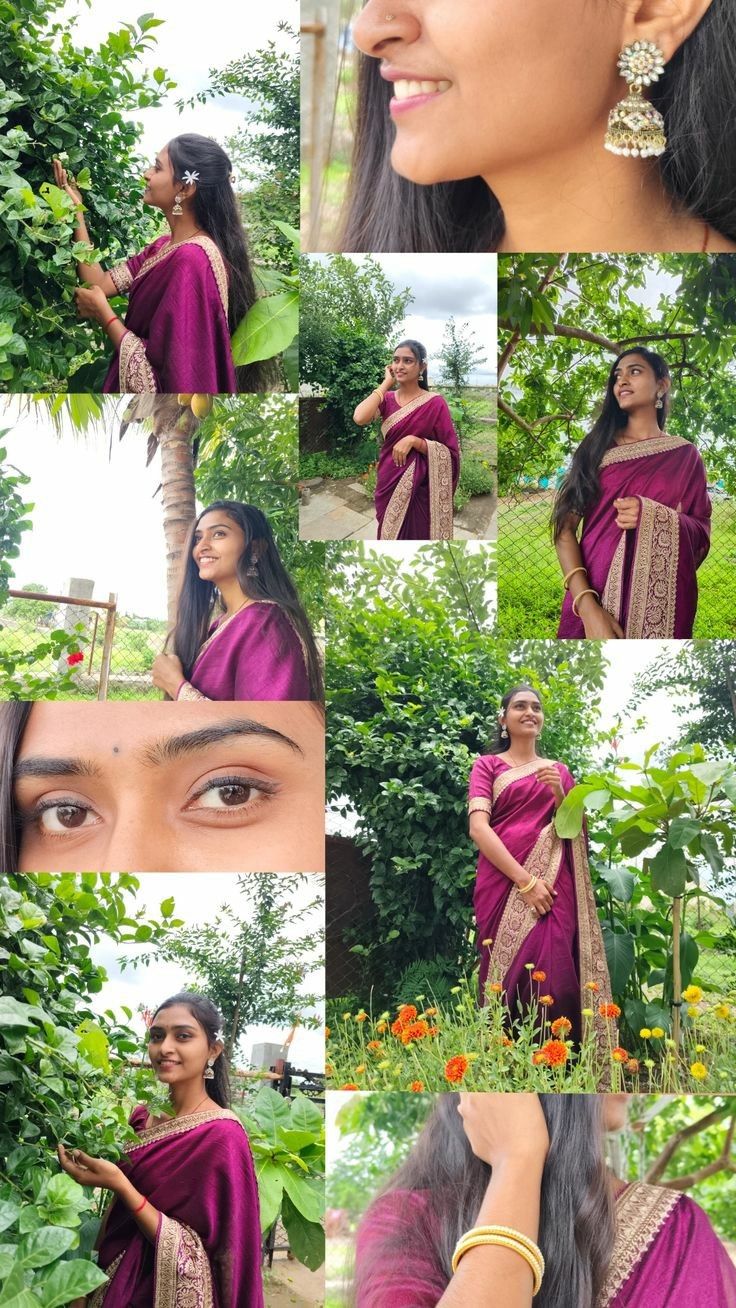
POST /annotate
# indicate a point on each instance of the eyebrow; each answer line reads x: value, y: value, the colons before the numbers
x: 165, y: 751
x: 38, y: 766
x: 178, y: 1026
x: 214, y: 527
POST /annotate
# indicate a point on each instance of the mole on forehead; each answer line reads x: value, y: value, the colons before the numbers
x: 116, y: 749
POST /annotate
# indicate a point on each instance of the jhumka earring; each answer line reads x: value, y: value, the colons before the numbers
x: 209, y: 1074
x: 176, y: 208
x: 635, y: 127
x: 504, y: 732
x: 659, y: 402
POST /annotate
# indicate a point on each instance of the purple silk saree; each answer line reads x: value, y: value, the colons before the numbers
x: 646, y: 576
x: 415, y: 502
x: 566, y: 944
x: 666, y: 1254
x: 177, y: 336
x: 256, y: 654
x: 198, y: 1172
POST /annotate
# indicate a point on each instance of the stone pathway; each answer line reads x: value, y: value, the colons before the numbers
x: 341, y: 510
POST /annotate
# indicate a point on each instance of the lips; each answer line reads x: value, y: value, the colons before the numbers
x: 405, y: 89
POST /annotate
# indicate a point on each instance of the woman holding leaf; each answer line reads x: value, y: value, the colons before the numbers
x: 538, y: 928
x: 187, y: 291
x: 183, y: 1225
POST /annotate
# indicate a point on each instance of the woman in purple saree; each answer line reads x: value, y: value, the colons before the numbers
x: 261, y: 647
x: 533, y: 896
x: 183, y: 1227
x: 419, y: 461
x: 187, y: 291
x: 643, y: 499
x: 497, y: 1160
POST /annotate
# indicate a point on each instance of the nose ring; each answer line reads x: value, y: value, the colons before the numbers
x: 389, y: 18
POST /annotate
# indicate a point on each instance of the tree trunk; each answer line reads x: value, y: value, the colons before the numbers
x: 174, y: 429
x: 676, y: 972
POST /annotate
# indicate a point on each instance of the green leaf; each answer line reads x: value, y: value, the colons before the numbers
x: 70, y: 1281
x: 43, y: 1247
x: 620, y: 954
x: 8, y: 1213
x: 94, y: 1045
x: 711, y: 851
x: 306, y: 1194
x: 620, y: 882
x: 634, y: 841
x: 305, y: 1116
x: 14, y: 1014
x: 167, y: 907
x: 668, y: 870
x: 268, y: 327
x: 306, y: 1239
x: 269, y: 1176
x: 682, y: 831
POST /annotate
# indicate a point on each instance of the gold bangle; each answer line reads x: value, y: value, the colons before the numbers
x: 524, y: 890
x: 472, y: 1240
x: 588, y: 591
x: 566, y: 580
x: 510, y: 1231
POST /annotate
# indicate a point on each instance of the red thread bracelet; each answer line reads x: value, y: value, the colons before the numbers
x: 113, y: 319
x: 140, y: 1207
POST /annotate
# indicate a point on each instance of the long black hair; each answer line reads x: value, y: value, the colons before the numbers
x: 498, y: 745
x: 420, y: 354
x: 696, y: 95
x: 209, y: 1018
x: 261, y: 576
x: 13, y: 720
x: 581, y: 484
x: 216, y: 211
x: 577, y: 1223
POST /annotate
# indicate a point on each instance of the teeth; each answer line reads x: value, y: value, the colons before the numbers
x: 404, y: 90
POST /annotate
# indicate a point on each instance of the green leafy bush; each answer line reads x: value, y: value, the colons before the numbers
x: 59, y: 99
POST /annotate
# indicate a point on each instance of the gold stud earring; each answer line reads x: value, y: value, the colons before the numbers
x: 635, y: 127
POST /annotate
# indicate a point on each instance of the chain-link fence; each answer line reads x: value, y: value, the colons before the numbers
x: 530, y: 590
x: 51, y: 642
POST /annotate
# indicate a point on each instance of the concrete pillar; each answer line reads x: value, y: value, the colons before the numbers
x: 78, y: 588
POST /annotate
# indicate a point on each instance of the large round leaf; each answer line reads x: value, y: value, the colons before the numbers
x: 668, y: 870
x: 619, y: 946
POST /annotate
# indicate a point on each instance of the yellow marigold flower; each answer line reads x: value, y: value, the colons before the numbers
x: 430, y: 1012
x: 328, y: 1032
x: 699, y: 1071
x: 360, y: 1069
x: 495, y: 987
x: 692, y: 995
x: 592, y: 985
x: 657, y: 1032
x: 488, y: 941
x: 649, y: 1062
x: 346, y: 1017
x: 645, y: 1033
x: 538, y: 1057
x: 383, y: 1065
x: 588, y: 1012
x: 700, y: 1049
x: 381, y: 1026
x: 530, y: 966
x: 455, y: 990
x: 329, y: 1069
x: 692, y: 1011
x: 546, y: 1001
x: 722, y: 1010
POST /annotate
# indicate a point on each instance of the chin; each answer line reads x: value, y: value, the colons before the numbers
x: 414, y: 163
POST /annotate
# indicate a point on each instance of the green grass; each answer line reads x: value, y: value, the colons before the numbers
x: 530, y: 585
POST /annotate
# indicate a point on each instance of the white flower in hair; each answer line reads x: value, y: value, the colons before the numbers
x: 219, y: 1037
x: 190, y: 177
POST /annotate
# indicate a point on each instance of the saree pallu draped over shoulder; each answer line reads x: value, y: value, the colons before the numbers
x: 646, y: 576
x: 198, y: 1172
x: 415, y: 502
x: 566, y: 944
x: 177, y: 335
x: 254, y: 655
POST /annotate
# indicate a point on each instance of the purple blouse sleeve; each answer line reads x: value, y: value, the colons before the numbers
x: 394, y: 1268
x: 480, y: 788
x: 123, y: 274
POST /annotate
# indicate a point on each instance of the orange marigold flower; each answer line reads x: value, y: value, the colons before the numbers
x: 328, y: 1032
x: 361, y: 1017
x: 506, y: 1042
x: 349, y: 1085
x: 592, y: 985
x: 415, y: 1031
x: 430, y: 1012
x: 539, y: 975
x: 433, y: 1031
x: 632, y: 1065
x: 417, y: 1087
x: 381, y: 1027
x: 555, y: 1053
x: 538, y: 1057
x: 360, y: 1069
x: 374, y: 1044
x: 495, y: 987
x: 609, y: 1010
x: 619, y: 1055
x: 456, y: 1068
x: 407, y: 1013
x: 546, y: 1001
x: 560, y: 1025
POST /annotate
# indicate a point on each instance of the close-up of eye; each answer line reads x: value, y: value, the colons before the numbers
x: 59, y: 817
x: 227, y: 793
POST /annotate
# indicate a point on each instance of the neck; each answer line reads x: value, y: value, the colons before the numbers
x: 641, y: 426
x: 523, y: 751
x: 233, y: 596
x: 592, y: 200
x: 409, y: 390
x: 187, y: 1098
x: 182, y: 226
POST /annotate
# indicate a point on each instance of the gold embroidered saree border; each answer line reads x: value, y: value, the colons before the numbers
x: 479, y: 805
x: 136, y: 375
x: 179, y: 1126
x: 653, y: 591
x: 641, y: 1212
x: 122, y: 277
x: 518, y: 919
x: 398, y: 506
x: 439, y: 462
x: 512, y: 774
x: 97, y: 1298
x: 189, y: 692
x: 642, y: 449
x: 401, y: 412
x: 613, y: 589
x: 592, y: 961
x: 183, y: 1277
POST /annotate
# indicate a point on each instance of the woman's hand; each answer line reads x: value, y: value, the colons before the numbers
x: 92, y: 303
x: 168, y: 673
x: 627, y: 512
x: 549, y: 776
x: 388, y: 376
x: 503, y: 1128
x: 402, y: 449
x: 95, y: 1172
x: 541, y: 898
x: 61, y: 178
x: 598, y: 623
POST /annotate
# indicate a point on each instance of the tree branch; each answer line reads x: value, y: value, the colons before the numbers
x: 660, y: 1164
x: 511, y: 345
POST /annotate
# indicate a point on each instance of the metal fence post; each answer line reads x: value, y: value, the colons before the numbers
x: 107, y: 646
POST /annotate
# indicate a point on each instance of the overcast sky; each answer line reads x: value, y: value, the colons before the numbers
x: 445, y: 285
x: 194, y: 39
x: 198, y: 898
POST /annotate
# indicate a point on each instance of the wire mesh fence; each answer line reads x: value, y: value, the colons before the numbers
x: 530, y: 582
x: 106, y: 655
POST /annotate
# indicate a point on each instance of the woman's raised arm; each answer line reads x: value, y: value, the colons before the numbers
x: 92, y: 273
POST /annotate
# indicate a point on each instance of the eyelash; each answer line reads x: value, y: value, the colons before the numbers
x: 264, y: 791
